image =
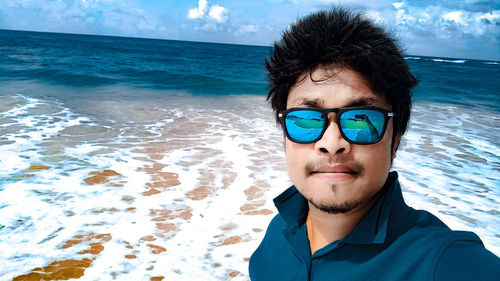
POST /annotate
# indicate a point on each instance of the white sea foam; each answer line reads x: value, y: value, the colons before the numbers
x: 412, y: 58
x: 59, y: 198
x: 451, y: 61
x: 233, y: 149
x: 447, y: 167
x: 33, y: 129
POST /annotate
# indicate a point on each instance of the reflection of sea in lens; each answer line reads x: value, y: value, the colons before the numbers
x: 362, y: 125
x: 304, y: 125
x: 309, y: 124
x: 306, y: 119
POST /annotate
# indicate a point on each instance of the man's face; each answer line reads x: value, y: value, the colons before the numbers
x: 332, y: 174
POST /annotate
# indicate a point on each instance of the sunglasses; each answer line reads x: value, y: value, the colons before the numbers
x: 357, y: 125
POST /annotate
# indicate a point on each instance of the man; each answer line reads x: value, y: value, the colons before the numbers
x: 342, y: 93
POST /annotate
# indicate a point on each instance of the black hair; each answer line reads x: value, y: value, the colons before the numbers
x: 339, y: 38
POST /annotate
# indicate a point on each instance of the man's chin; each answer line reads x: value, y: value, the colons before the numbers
x: 339, y: 199
x: 332, y: 198
x: 333, y: 189
x: 333, y: 208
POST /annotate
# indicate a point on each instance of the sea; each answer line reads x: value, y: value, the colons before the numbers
x: 141, y: 159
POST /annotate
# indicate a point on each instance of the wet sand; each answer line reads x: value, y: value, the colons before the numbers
x: 183, y: 190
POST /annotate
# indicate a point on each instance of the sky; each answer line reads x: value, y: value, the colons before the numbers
x: 442, y: 28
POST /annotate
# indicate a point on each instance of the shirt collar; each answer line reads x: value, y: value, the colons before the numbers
x: 293, y: 208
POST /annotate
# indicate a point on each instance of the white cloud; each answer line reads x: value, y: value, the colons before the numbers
x: 359, y: 4
x: 443, y: 23
x: 218, y: 13
x: 424, y: 17
x: 250, y: 28
x: 468, y: 23
x: 194, y: 14
x: 375, y: 15
x: 446, y: 31
x: 131, y: 21
x: 404, y: 18
x: 489, y: 17
x: 398, y: 5
x: 199, y: 11
x: 245, y: 29
x: 81, y: 16
x: 455, y: 16
x: 210, y: 26
x: 208, y: 17
x: 215, y: 12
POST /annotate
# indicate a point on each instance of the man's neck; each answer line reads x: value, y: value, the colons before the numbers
x: 324, y: 228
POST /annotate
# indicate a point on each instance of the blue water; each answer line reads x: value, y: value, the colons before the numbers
x: 206, y: 68
x: 462, y: 82
x: 91, y: 61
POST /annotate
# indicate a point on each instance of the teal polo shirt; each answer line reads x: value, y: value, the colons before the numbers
x: 392, y: 242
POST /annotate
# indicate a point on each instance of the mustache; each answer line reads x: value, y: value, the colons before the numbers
x: 352, y: 165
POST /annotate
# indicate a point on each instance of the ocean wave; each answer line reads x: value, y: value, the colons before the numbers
x: 492, y: 62
x: 412, y: 58
x: 452, y: 61
x: 59, y: 77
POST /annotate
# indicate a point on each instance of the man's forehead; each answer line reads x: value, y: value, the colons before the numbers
x: 334, y: 87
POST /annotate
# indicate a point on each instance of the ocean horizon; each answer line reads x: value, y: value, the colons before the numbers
x: 206, y: 42
x: 149, y: 159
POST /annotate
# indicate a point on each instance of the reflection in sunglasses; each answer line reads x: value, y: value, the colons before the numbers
x: 362, y: 126
x: 309, y: 123
x: 373, y: 132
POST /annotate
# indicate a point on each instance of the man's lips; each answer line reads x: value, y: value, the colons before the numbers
x: 337, y: 169
x: 336, y: 172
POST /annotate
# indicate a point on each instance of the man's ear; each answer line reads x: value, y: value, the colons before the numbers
x: 395, y: 145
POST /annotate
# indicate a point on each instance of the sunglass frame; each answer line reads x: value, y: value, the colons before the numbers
x: 339, y: 111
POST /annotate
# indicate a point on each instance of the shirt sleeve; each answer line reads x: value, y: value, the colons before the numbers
x: 467, y: 260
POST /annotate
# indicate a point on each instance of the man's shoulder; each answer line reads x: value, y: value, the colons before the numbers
x: 450, y: 254
x: 467, y: 260
x: 435, y: 239
x: 427, y: 230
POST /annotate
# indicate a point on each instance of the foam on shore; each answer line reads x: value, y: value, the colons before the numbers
x: 147, y: 189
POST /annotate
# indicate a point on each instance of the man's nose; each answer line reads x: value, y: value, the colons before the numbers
x: 332, y: 141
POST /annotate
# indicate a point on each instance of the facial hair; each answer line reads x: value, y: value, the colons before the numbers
x: 343, y: 207
x: 332, y: 209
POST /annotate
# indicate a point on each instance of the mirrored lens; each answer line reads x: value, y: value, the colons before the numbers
x: 304, y: 125
x: 362, y: 125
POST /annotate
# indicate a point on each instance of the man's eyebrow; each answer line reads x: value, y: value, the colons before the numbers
x: 317, y: 102
x: 310, y: 102
x: 362, y: 102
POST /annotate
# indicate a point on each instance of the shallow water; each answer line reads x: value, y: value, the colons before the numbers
x: 180, y: 188
x: 183, y: 186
